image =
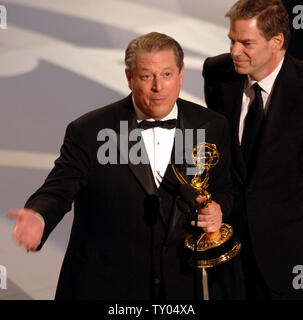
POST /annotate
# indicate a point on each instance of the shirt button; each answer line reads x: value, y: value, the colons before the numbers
x: 157, y: 281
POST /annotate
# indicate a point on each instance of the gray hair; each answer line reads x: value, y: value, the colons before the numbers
x: 153, y: 41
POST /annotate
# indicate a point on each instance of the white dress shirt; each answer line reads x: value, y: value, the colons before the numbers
x: 248, y: 95
x: 158, y: 143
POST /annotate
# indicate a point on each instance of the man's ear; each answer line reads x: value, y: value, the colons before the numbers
x: 129, y: 78
x: 278, y: 42
x: 181, y: 75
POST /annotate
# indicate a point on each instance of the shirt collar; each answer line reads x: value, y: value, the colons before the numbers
x: 267, y: 83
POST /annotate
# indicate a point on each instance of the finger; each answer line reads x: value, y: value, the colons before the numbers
x: 17, y: 238
x: 28, y: 248
x: 32, y: 247
x: 205, y: 212
x: 205, y: 218
x: 207, y: 205
x: 207, y: 222
x: 200, y: 199
x: 209, y: 210
x: 16, y: 233
x: 29, y: 245
x: 21, y: 237
x: 202, y: 224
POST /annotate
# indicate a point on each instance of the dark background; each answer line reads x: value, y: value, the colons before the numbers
x: 296, y: 45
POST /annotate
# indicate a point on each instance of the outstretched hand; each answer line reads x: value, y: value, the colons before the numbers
x: 29, y: 228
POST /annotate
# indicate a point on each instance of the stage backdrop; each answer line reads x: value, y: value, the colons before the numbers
x: 58, y: 60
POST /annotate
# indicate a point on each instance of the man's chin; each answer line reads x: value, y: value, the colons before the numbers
x: 241, y: 70
x: 158, y: 111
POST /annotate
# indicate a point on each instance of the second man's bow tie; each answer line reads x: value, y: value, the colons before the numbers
x: 167, y: 124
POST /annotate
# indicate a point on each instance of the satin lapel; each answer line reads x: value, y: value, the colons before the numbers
x: 232, y: 94
x: 142, y: 171
x: 177, y: 213
x: 171, y: 182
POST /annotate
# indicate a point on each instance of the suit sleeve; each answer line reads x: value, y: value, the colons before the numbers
x: 70, y: 173
x: 211, y: 87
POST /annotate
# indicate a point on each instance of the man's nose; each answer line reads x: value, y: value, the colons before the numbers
x: 157, y: 84
x: 235, y: 49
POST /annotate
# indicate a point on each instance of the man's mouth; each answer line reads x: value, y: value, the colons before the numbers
x: 158, y: 99
x: 237, y: 61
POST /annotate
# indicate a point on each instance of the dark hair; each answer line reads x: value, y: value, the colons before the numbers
x: 272, y: 17
x: 150, y: 42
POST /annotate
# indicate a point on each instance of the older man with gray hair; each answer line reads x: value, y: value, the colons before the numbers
x: 127, y: 238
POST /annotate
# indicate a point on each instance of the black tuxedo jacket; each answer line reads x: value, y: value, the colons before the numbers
x: 127, y: 236
x: 269, y: 198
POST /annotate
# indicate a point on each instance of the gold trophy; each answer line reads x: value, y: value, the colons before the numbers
x: 212, y: 248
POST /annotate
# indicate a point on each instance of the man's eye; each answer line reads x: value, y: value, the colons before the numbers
x: 146, y: 77
x: 167, y: 74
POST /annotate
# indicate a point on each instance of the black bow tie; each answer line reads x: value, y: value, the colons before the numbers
x: 167, y: 124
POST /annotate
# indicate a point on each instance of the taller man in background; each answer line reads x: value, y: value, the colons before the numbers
x: 127, y: 238
x: 260, y: 90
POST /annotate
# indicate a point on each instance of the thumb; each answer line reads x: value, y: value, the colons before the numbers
x: 15, y: 214
x: 200, y: 199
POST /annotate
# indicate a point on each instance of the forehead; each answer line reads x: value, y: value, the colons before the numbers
x: 155, y: 58
x: 244, y: 29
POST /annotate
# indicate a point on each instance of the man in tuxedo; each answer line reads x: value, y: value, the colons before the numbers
x: 127, y: 237
x: 259, y: 88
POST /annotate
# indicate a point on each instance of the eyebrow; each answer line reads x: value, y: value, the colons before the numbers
x: 147, y: 69
x: 243, y: 40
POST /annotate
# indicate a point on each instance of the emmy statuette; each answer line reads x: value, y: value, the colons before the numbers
x: 211, y: 248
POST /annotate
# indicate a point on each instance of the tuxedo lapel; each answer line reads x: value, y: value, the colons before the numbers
x: 142, y: 171
x: 170, y: 182
x: 177, y: 214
